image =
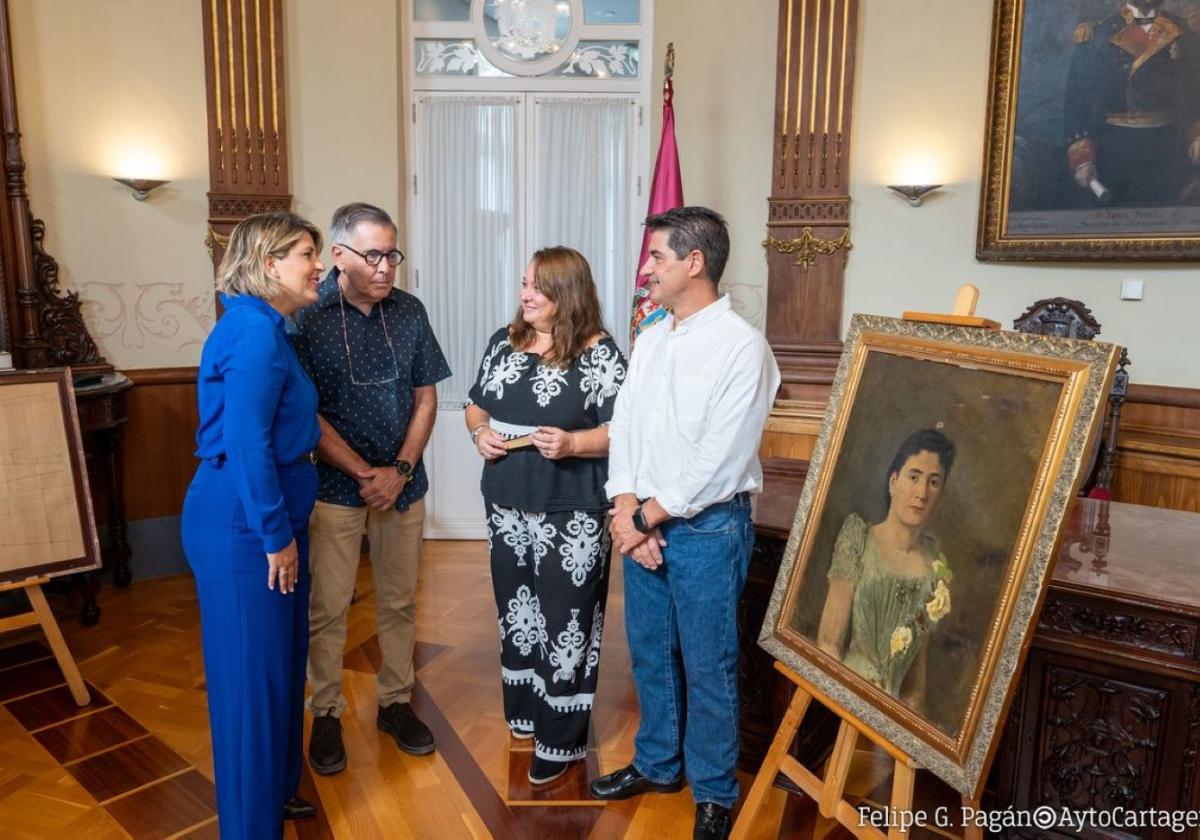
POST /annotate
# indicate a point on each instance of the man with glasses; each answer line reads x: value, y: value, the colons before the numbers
x: 375, y: 361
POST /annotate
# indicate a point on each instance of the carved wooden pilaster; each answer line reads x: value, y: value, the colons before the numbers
x: 41, y: 327
x: 247, y: 127
x: 808, y: 226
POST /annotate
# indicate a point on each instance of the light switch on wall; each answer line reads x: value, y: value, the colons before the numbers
x: 1132, y: 289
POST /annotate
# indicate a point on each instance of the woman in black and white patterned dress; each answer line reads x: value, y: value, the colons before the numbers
x: 552, y: 374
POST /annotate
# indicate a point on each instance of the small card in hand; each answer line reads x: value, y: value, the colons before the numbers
x: 518, y: 443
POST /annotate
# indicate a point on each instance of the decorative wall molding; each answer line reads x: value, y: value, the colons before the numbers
x: 810, y: 188
x: 814, y: 211
x: 60, y: 320
x: 247, y: 115
x: 808, y: 248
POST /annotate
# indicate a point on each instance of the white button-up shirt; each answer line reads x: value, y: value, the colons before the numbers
x: 689, y: 418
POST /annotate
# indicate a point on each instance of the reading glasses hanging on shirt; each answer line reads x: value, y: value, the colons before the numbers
x: 349, y: 356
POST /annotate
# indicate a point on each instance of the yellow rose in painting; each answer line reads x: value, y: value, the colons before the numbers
x: 901, y: 638
x: 939, y: 605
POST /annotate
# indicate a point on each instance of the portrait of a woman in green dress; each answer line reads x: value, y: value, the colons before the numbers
x: 889, y: 582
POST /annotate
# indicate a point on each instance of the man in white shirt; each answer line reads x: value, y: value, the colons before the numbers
x: 683, y: 461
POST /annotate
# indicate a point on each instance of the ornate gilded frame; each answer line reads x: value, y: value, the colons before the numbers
x: 1085, y: 368
x: 994, y: 242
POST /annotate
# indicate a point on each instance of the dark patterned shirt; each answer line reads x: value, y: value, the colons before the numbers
x: 517, y: 390
x: 389, y: 354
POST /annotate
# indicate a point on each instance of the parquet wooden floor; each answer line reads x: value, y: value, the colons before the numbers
x: 137, y: 762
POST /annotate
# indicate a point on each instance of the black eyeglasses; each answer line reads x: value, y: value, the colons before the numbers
x: 394, y: 257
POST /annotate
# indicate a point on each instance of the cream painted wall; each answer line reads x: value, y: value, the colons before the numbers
x: 343, y: 95
x: 724, y: 117
x: 117, y: 88
x: 919, y: 118
x: 108, y: 89
x: 99, y: 80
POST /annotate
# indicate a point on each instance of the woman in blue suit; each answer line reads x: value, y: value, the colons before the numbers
x: 245, y: 522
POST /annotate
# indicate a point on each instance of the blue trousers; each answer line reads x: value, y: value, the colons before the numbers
x: 255, y: 644
x: 681, y: 622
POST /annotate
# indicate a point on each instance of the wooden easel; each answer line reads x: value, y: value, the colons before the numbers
x: 829, y: 792
x: 41, y: 614
x: 963, y: 314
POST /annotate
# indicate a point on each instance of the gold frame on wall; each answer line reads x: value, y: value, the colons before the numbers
x: 1084, y: 369
x: 995, y: 242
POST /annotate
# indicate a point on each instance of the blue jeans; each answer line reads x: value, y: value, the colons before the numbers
x: 681, y: 622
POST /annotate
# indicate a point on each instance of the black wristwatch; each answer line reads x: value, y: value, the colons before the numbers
x: 639, y: 521
x: 404, y: 468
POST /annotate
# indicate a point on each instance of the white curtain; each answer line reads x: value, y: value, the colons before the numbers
x: 582, y: 172
x: 467, y: 200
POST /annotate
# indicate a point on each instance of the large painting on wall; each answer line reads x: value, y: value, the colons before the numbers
x: 1093, y: 131
x: 924, y: 534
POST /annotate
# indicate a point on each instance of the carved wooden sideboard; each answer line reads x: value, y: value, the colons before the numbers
x: 1108, y: 710
x: 1107, y: 713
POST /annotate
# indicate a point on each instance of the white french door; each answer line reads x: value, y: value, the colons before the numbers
x: 497, y: 176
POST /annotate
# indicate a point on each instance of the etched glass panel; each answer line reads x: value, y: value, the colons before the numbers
x: 601, y: 60
x: 457, y: 57
x: 527, y: 30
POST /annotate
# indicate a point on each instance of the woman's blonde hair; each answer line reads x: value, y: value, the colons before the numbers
x: 243, y: 269
x: 564, y: 276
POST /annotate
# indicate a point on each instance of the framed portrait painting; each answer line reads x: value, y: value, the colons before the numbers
x: 1093, y: 131
x: 924, y: 535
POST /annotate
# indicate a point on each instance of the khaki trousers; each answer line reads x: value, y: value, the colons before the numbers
x: 335, y: 540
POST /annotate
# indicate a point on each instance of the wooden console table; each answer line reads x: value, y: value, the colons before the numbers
x: 102, y: 417
x: 1107, y: 712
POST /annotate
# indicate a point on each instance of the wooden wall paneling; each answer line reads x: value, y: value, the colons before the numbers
x: 1158, y: 448
x: 247, y: 115
x: 808, y: 230
x: 160, y: 440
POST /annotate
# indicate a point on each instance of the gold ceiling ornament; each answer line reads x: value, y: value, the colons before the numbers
x: 807, y: 247
x: 213, y: 239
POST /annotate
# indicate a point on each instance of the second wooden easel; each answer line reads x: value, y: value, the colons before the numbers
x: 40, y: 614
x: 829, y: 792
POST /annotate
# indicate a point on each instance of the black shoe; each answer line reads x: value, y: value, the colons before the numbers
x: 325, y: 751
x: 712, y: 822
x: 627, y: 782
x: 543, y: 771
x: 399, y: 721
x: 298, y: 809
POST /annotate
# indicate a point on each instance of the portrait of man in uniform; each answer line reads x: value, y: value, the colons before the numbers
x: 1093, y: 148
x: 1132, y: 107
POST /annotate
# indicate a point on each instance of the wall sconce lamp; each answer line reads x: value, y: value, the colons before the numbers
x: 914, y: 194
x: 141, y: 186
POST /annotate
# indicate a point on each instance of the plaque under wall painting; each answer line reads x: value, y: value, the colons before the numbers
x: 1093, y: 131
x: 922, y: 542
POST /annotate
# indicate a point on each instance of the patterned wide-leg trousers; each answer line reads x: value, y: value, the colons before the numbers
x: 550, y: 577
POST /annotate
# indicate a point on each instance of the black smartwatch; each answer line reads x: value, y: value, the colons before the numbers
x: 639, y: 521
x: 404, y: 468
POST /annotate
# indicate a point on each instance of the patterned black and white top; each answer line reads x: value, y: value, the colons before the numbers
x: 519, y: 392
